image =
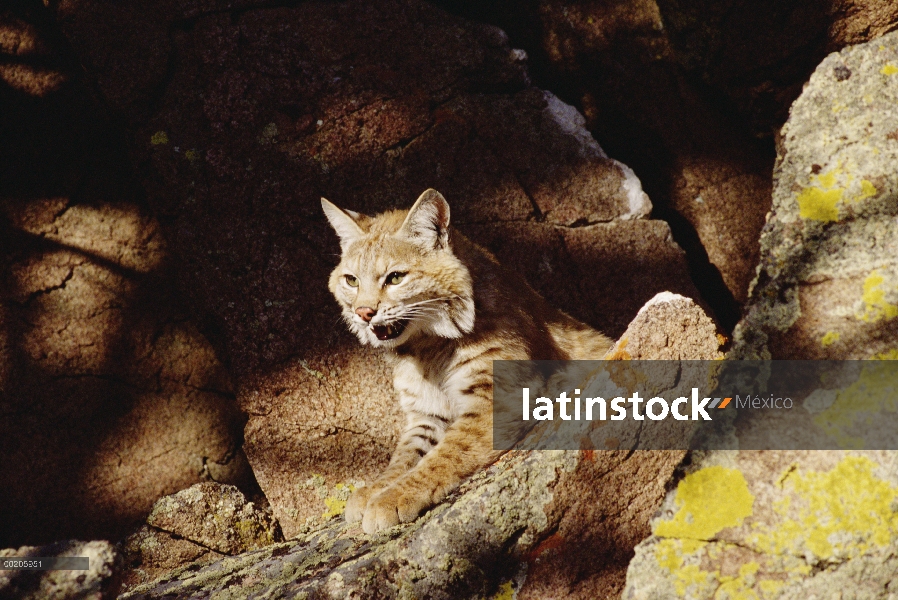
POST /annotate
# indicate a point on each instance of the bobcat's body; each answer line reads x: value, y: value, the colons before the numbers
x: 446, y: 309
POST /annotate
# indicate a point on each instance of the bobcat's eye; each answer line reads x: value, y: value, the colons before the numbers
x: 395, y: 278
x: 352, y: 281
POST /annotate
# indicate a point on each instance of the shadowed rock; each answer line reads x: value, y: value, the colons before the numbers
x: 548, y: 524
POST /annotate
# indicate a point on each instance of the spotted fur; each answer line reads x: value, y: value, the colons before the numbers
x: 444, y: 308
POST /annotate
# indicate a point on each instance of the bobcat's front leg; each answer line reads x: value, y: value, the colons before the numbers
x: 422, y: 433
x: 465, y: 448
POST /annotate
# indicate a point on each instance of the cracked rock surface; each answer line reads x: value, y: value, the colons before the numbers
x: 204, y: 522
x: 110, y: 397
x: 805, y: 524
x: 827, y: 284
x: 548, y: 524
x: 242, y: 119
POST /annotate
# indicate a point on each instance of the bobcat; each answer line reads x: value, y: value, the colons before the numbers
x: 445, y: 309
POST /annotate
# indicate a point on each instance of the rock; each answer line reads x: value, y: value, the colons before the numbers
x: 204, y: 522
x: 706, y: 175
x: 600, y: 258
x: 793, y: 525
x: 827, y: 285
x: 96, y: 582
x: 150, y: 554
x: 368, y: 107
x: 110, y: 396
x: 760, y: 53
x: 550, y: 524
x: 803, y: 524
x: 216, y: 516
x: 669, y: 327
x: 475, y: 544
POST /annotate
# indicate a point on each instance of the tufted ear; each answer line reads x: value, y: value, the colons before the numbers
x: 343, y: 223
x: 427, y: 223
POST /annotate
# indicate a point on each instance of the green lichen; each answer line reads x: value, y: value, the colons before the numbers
x: 336, y: 503
x: 505, y: 592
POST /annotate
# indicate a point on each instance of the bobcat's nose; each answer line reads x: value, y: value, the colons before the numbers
x: 366, y: 312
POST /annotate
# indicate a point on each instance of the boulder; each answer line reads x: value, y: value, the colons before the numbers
x: 827, y: 284
x: 202, y: 523
x: 707, y: 176
x: 669, y: 327
x: 543, y: 524
x: 787, y: 524
x: 253, y: 122
x: 799, y: 523
x: 110, y: 396
x: 761, y: 53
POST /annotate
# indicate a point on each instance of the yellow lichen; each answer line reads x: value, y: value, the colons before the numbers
x: 819, y: 204
x: 820, y: 200
x: 876, y: 308
x: 505, y: 592
x: 693, y: 575
x: 887, y: 355
x: 708, y: 501
x: 160, y: 137
x: 336, y: 504
x: 868, y: 190
x: 770, y: 588
x: 889, y: 69
x: 830, y: 338
x: 840, y: 513
x: 192, y: 155
x: 741, y: 586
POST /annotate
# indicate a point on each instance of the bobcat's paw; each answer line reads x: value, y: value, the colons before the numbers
x: 358, y: 501
x: 391, y: 507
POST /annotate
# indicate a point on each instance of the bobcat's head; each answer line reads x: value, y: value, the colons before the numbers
x: 398, y: 277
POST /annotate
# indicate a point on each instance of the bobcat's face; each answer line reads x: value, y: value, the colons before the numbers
x: 398, y: 277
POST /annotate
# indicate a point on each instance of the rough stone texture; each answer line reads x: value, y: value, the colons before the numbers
x: 150, y: 554
x: 258, y: 113
x: 205, y: 522
x: 827, y: 285
x: 97, y: 582
x: 599, y: 261
x: 669, y: 327
x: 760, y: 53
x: 550, y: 524
x: 774, y: 525
x: 109, y: 395
x: 216, y: 516
x: 804, y: 524
x: 522, y: 518
x: 707, y: 177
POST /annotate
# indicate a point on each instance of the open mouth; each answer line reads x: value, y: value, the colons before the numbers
x: 389, y: 332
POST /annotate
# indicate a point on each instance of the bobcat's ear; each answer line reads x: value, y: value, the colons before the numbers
x: 343, y: 223
x: 427, y: 222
